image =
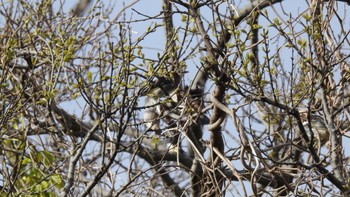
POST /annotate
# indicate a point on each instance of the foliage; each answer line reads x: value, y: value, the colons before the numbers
x: 244, y: 98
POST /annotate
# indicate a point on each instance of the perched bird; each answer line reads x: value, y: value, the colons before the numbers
x: 168, y: 102
x: 162, y: 88
x: 152, y: 113
x: 317, y: 126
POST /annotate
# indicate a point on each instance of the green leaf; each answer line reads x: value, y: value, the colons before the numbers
x: 256, y: 26
x: 230, y: 45
x: 306, y: 16
x: 277, y: 22
x: 57, y: 181
x: 38, y: 157
x: 44, y: 185
x: 155, y: 140
x: 68, y: 57
x: 302, y: 43
x: 89, y: 76
x: 70, y: 41
x: 48, y: 158
x: 183, y: 18
x: 26, y: 161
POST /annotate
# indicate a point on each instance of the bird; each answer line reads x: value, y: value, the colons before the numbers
x: 160, y: 89
x: 152, y: 113
x: 317, y: 126
x: 171, y: 103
